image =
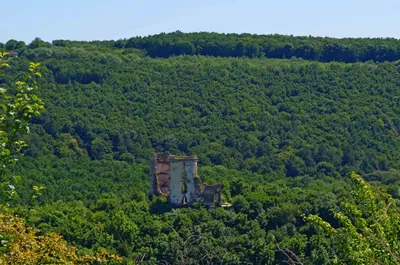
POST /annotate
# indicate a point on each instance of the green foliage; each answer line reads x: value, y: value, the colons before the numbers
x: 271, y: 46
x: 38, y: 43
x: 16, y: 112
x: 13, y: 45
x: 20, y: 244
x: 26, y: 245
x: 369, y: 227
x: 278, y: 133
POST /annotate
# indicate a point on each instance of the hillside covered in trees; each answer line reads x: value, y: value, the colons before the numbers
x: 281, y: 121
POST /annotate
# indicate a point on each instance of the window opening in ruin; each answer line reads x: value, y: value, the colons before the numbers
x: 184, y: 179
x: 184, y: 187
x: 184, y: 200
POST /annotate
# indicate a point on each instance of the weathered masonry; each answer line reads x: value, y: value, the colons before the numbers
x: 159, y: 173
x: 176, y: 177
x: 185, y: 185
x: 212, y: 194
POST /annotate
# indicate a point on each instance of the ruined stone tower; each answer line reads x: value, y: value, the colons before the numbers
x: 176, y: 177
x: 185, y: 185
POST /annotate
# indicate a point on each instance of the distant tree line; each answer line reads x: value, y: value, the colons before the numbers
x: 271, y: 46
x: 164, y: 45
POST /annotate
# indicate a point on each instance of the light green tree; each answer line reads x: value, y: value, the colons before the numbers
x: 18, y: 105
x: 369, y: 227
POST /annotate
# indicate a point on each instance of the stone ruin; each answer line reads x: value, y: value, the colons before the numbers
x: 176, y: 177
x: 212, y: 194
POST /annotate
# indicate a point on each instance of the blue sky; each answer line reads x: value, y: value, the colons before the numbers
x: 101, y: 20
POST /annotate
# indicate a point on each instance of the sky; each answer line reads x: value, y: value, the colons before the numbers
x: 118, y: 19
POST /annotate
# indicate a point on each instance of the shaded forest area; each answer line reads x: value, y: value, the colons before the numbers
x: 282, y: 135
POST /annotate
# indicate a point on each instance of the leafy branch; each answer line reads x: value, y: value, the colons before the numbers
x: 16, y: 111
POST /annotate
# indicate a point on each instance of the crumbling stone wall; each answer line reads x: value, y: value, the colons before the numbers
x: 159, y: 173
x: 184, y: 182
x: 212, y: 194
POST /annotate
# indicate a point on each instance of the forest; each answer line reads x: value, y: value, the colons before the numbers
x: 280, y: 121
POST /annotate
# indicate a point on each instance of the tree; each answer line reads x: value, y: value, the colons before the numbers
x: 14, y: 45
x: 39, y: 43
x: 15, y: 114
x: 369, y: 227
x: 26, y: 245
x: 20, y: 244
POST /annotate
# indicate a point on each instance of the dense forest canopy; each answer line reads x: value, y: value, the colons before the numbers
x: 165, y: 45
x: 281, y: 121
